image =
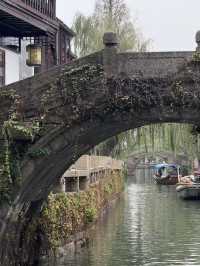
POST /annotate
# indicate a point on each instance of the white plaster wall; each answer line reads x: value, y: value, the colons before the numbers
x: 12, y: 67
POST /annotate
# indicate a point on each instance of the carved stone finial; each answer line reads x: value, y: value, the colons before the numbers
x: 198, y: 40
x: 110, y: 39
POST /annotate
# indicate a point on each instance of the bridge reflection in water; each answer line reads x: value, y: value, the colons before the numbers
x: 150, y: 226
x: 143, y: 174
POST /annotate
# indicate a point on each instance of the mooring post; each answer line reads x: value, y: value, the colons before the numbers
x: 110, y: 54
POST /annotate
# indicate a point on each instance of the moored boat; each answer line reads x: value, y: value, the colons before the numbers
x: 166, y: 174
x: 188, y: 187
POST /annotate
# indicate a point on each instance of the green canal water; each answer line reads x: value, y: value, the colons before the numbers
x: 148, y: 226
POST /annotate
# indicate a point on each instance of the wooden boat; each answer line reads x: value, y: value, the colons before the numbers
x: 188, y: 187
x: 166, y: 174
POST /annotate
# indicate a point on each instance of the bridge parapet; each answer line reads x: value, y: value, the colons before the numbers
x: 115, y: 65
x: 141, y: 65
x: 152, y: 65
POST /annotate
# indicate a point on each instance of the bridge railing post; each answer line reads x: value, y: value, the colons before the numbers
x: 110, y: 54
x: 198, y: 41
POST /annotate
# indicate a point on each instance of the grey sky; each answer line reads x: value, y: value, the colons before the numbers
x: 171, y: 24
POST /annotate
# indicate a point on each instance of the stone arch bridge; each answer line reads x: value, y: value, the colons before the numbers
x: 65, y: 112
x: 137, y: 158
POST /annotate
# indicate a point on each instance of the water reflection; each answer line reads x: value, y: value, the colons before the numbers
x: 149, y: 226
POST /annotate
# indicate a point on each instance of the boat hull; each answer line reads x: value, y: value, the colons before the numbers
x: 189, y: 191
x: 170, y: 180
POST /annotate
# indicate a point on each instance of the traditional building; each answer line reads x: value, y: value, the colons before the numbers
x: 32, y: 23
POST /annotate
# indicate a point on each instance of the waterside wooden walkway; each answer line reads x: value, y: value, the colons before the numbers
x: 86, y: 171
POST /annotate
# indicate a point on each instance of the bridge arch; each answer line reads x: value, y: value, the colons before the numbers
x: 85, y: 103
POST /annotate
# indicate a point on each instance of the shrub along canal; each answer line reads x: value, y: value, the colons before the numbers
x: 148, y: 226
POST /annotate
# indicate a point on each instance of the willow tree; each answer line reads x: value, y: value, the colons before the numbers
x: 168, y: 137
x: 108, y: 15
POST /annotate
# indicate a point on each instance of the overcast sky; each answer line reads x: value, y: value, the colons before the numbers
x: 171, y: 24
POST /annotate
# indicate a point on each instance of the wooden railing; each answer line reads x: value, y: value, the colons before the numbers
x: 87, y: 165
x: 46, y: 7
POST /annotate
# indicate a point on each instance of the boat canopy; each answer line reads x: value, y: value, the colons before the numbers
x: 166, y: 165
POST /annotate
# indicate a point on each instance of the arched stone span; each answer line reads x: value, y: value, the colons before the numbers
x: 134, y: 159
x: 82, y: 104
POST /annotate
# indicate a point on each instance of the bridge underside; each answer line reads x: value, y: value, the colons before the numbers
x: 80, y: 105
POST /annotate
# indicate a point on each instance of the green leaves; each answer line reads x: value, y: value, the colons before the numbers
x: 66, y: 214
x: 90, y: 214
x: 109, y: 15
x: 16, y: 137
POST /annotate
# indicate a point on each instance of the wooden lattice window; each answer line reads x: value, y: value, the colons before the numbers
x: 2, y: 68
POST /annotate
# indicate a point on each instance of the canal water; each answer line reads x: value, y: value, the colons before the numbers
x: 148, y: 226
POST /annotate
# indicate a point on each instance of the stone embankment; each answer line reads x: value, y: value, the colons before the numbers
x: 84, y: 192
